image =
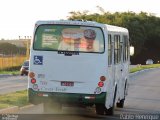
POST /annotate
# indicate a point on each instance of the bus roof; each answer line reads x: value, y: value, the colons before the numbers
x: 69, y: 22
x: 111, y: 28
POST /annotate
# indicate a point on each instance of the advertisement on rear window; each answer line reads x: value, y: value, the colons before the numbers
x: 69, y: 38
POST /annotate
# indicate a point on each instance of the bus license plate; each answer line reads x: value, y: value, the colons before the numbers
x: 64, y: 83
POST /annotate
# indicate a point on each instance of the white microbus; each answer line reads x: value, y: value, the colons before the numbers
x: 79, y: 63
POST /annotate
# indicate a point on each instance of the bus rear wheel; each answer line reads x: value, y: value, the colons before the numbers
x: 109, y: 111
x: 120, y: 104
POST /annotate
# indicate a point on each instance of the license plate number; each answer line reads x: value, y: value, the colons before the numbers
x: 64, y: 83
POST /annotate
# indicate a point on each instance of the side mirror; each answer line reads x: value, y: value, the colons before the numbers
x: 131, y: 50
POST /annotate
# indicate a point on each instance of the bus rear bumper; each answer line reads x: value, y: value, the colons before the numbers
x: 66, y: 98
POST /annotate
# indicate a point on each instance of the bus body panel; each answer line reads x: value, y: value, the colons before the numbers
x: 80, y: 69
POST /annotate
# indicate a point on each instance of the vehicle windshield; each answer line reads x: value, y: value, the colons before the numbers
x: 69, y: 38
x: 26, y: 63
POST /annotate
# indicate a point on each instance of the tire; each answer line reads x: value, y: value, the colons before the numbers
x: 110, y: 111
x: 100, y: 109
x: 121, y: 103
x: 51, y: 108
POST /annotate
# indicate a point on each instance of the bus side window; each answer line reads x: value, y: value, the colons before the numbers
x: 126, y: 48
x: 109, y: 49
x: 117, y: 51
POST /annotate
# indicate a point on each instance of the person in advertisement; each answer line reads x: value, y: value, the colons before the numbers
x: 76, y: 39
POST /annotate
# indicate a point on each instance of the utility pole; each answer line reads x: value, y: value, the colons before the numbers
x: 27, y: 47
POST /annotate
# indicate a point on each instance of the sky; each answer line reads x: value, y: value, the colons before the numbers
x: 17, y: 17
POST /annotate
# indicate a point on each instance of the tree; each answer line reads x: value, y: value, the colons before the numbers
x: 10, y: 49
x: 144, y: 30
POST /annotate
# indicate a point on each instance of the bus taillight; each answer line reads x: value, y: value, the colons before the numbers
x: 33, y: 80
x: 102, y: 78
x: 101, y: 84
x: 31, y: 75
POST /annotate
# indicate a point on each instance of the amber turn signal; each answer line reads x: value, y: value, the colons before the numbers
x: 31, y: 75
x: 102, y: 78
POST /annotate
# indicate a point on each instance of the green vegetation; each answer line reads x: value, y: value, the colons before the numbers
x: 10, y: 72
x: 10, y: 49
x: 144, y: 30
x: 18, y: 98
x: 142, y: 67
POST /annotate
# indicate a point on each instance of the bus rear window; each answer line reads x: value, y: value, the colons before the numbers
x: 69, y: 38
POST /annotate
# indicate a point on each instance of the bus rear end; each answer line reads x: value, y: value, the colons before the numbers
x: 67, y: 63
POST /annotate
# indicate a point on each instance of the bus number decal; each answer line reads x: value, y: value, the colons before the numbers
x: 43, y: 82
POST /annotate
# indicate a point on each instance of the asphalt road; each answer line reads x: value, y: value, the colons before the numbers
x: 144, y: 92
x: 10, y: 83
x: 142, y: 103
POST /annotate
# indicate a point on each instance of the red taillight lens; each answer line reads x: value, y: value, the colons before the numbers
x: 102, y: 78
x: 100, y: 84
x: 33, y: 80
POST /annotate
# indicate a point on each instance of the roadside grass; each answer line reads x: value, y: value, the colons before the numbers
x: 18, y: 98
x: 10, y: 72
x: 142, y: 67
